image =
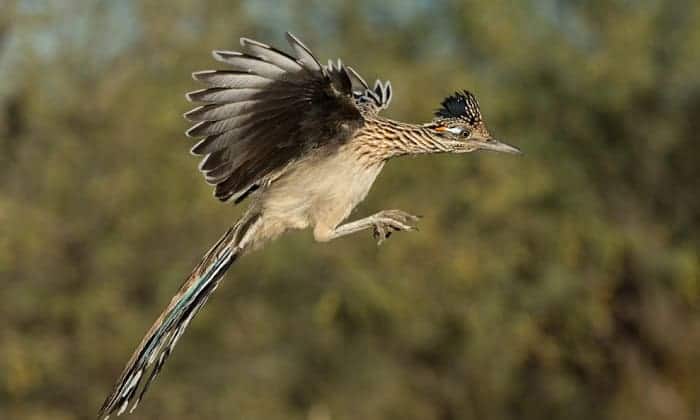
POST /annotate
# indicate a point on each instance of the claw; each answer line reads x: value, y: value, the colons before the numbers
x: 389, y: 221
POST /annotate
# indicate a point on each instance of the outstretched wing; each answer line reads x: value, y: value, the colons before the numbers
x: 267, y: 110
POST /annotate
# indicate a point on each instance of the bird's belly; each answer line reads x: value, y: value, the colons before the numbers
x: 320, y: 191
x: 340, y: 189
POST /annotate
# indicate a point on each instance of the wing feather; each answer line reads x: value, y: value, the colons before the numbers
x: 220, y: 95
x: 231, y: 79
x: 266, y: 110
x: 358, y: 83
x: 208, y: 128
x: 218, y: 112
x: 250, y: 64
x: 304, y: 55
x: 214, y: 160
x: 270, y: 54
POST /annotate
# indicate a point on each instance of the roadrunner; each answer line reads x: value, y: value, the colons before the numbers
x: 304, y: 142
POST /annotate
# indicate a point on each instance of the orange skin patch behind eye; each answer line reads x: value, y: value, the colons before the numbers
x: 441, y: 128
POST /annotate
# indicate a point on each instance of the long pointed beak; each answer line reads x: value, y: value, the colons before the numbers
x: 497, y: 146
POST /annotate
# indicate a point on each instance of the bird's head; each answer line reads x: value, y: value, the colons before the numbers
x: 459, y: 125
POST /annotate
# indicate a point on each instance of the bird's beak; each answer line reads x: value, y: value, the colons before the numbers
x: 497, y: 146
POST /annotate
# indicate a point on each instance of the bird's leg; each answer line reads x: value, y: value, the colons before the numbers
x: 383, y: 223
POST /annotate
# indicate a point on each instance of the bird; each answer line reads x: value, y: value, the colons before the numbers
x: 303, y: 143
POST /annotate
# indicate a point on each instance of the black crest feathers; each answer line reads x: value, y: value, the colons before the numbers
x: 460, y: 105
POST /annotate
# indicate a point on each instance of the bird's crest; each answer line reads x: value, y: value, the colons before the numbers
x: 460, y: 105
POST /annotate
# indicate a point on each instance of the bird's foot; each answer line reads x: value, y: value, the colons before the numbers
x: 389, y: 221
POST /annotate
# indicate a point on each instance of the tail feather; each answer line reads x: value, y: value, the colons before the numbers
x: 160, y: 339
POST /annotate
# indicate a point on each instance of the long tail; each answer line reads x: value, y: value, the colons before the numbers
x: 160, y: 339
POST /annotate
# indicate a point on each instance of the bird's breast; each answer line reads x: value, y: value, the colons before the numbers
x: 323, y: 188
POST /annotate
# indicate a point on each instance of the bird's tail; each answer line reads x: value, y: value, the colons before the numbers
x: 164, y: 333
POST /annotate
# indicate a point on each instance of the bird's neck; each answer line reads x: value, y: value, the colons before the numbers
x: 382, y: 138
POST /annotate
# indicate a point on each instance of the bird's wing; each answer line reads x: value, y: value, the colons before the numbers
x: 370, y: 100
x: 267, y: 110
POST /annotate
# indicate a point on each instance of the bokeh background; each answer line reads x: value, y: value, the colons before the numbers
x: 563, y: 284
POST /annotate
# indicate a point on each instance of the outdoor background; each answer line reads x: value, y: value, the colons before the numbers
x: 561, y: 284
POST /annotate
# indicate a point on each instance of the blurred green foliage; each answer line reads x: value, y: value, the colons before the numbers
x: 561, y: 284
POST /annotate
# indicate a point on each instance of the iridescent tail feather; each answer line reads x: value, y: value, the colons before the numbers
x: 156, y: 346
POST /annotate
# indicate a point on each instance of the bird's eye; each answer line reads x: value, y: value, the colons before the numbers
x: 465, y: 133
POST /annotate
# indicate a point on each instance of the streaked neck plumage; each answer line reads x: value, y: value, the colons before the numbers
x: 381, y: 139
